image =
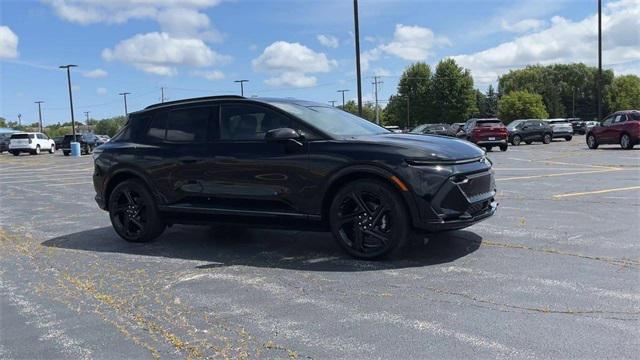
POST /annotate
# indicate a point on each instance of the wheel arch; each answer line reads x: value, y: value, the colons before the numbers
x: 359, y: 172
x: 122, y: 175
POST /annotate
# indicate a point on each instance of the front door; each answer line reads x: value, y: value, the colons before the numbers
x: 246, y: 173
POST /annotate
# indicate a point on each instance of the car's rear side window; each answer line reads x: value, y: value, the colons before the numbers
x: 188, y: 125
x: 157, y: 127
x: 634, y: 116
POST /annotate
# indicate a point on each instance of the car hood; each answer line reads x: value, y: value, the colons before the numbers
x: 432, y: 147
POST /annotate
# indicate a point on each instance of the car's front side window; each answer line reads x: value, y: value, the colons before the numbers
x: 251, y: 122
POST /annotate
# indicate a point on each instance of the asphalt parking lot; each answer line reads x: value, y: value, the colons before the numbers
x: 556, y: 273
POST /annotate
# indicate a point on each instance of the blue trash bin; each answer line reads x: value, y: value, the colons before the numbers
x: 75, y: 148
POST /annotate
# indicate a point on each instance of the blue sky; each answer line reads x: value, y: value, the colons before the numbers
x: 290, y: 48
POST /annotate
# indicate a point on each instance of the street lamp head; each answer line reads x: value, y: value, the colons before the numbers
x: 240, y: 81
x: 67, y: 66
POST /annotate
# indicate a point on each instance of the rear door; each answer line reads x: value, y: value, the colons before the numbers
x: 617, y: 127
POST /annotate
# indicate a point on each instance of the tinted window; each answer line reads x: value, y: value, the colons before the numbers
x: 619, y: 118
x: 250, y: 122
x: 634, y: 116
x: 20, y: 136
x: 157, y: 127
x: 188, y: 125
x: 607, y: 121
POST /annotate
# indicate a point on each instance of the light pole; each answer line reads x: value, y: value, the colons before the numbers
x: 343, y: 91
x: 73, y: 121
x: 19, y: 119
x: 39, y: 113
x: 333, y: 103
x: 357, y: 35
x: 241, y: 85
x: 599, y: 60
x: 124, y: 95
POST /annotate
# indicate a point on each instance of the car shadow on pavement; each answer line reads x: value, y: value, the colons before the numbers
x: 294, y: 250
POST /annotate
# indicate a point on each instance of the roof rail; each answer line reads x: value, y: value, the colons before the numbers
x: 204, y: 98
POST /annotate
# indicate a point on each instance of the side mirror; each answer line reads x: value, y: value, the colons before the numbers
x: 282, y: 135
x: 525, y: 127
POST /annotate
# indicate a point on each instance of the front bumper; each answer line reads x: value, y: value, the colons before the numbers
x: 462, y: 200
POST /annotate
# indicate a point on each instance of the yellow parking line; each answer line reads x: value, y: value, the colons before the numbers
x: 558, y: 174
x: 596, y: 192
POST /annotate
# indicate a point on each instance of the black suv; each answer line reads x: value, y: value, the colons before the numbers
x: 290, y: 163
x: 88, y: 142
x: 529, y: 130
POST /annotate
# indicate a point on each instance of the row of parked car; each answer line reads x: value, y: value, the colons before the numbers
x: 36, y: 142
x: 622, y: 127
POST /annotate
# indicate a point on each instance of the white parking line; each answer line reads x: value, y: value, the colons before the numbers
x: 73, y: 183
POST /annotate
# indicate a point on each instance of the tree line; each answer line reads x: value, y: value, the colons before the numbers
x: 552, y: 91
x: 108, y: 126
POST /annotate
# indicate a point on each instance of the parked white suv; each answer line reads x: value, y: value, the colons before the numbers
x: 561, y: 128
x: 33, y: 143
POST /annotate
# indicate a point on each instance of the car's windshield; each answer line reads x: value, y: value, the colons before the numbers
x: 332, y: 120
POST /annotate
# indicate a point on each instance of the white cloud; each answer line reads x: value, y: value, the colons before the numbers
x: 412, y: 43
x: 8, y: 43
x: 328, y: 41
x: 289, y: 64
x: 161, y: 54
x: 101, y: 91
x: 97, y: 73
x: 209, y: 75
x: 180, y: 18
x: 565, y: 41
x: 522, y: 26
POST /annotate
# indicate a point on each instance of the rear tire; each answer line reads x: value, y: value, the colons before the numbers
x: 369, y: 219
x: 52, y: 149
x: 516, y: 140
x: 546, y: 139
x: 592, y: 142
x: 65, y: 152
x: 504, y: 147
x: 568, y: 138
x: 625, y: 142
x: 488, y: 148
x: 134, y: 213
x: 15, y: 153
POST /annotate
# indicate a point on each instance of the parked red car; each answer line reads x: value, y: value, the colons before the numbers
x: 487, y: 133
x: 621, y: 127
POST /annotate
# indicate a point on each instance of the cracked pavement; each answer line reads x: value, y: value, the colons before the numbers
x: 546, y: 277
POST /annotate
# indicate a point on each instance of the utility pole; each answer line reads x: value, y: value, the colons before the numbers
x: 161, y: 94
x: 333, y: 103
x: 86, y: 114
x: 241, y: 85
x: 39, y: 113
x: 599, y: 92
x: 375, y: 83
x: 357, y: 35
x: 124, y: 95
x: 343, y: 91
x: 73, y: 121
x: 573, y: 103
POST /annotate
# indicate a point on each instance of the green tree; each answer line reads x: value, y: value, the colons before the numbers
x: 412, y: 99
x: 368, y: 110
x: 521, y: 105
x: 452, y: 93
x: 3, y: 122
x: 481, y: 104
x: 110, y: 126
x: 623, y: 94
x: 492, y: 103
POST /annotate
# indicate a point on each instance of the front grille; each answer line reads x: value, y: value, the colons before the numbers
x: 476, y: 185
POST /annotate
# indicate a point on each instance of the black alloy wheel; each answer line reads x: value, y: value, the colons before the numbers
x: 133, y: 212
x: 516, y: 140
x: 546, y: 139
x: 368, y: 219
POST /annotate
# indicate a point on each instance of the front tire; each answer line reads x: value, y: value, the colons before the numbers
x: 516, y: 140
x: 52, y: 149
x: 65, y: 152
x: 592, y: 142
x: 546, y: 139
x: 133, y: 212
x: 369, y: 220
x: 625, y: 142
